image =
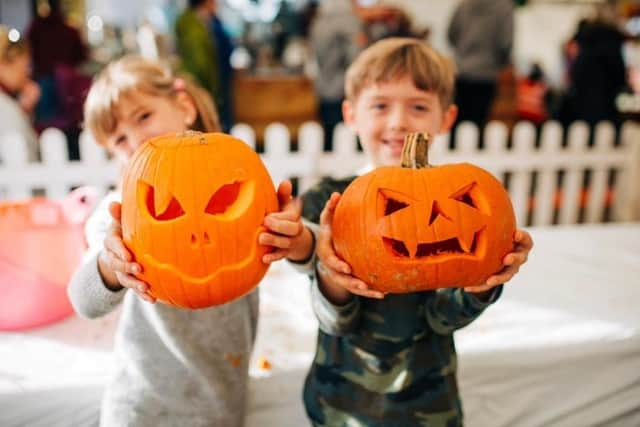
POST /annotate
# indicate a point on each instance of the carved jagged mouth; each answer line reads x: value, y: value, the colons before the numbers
x: 443, y: 247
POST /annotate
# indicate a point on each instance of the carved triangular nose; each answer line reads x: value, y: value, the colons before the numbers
x: 200, y: 239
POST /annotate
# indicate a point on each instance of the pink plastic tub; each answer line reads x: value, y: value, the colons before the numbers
x: 41, y: 244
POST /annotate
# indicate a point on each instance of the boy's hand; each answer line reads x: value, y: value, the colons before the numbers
x: 336, y: 280
x: 285, y: 231
x: 114, y: 262
x: 512, y: 262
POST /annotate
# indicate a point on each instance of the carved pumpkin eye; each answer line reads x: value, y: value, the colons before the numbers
x: 172, y: 211
x: 223, y: 198
x: 231, y: 199
x: 464, y: 195
x: 391, y: 201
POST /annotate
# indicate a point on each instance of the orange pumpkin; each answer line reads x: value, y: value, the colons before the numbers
x: 418, y: 227
x: 192, y: 208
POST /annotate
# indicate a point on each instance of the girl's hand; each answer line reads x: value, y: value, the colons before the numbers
x: 336, y: 280
x: 523, y: 243
x: 115, y: 261
x: 285, y: 231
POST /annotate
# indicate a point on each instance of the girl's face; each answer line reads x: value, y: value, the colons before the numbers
x: 141, y: 116
x: 384, y: 113
x: 14, y: 73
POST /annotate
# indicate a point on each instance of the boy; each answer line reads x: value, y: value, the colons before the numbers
x: 389, y: 360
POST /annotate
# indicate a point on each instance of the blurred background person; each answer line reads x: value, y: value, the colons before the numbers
x: 18, y: 93
x: 597, y: 73
x: 224, y: 48
x: 197, y: 47
x: 481, y: 35
x: 336, y: 37
x: 53, y: 42
x: 57, y: 52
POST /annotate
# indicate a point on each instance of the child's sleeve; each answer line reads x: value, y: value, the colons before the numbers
x: 87, y: 292
x: 450, y: 309
x: 307, y: 266
x: 333, y: 319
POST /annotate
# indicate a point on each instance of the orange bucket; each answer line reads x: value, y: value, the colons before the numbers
x: 41, y: 244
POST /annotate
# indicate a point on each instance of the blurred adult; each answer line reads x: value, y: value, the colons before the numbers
x: 336, y: 38
x: 481, y: 34
x: 197, y: 46
x: 224, y: 49
x: 53, y: 43
x: 18, y: 93
x: 597, y: 74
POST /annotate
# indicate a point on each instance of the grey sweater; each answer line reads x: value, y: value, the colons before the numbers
x: 175, y: 367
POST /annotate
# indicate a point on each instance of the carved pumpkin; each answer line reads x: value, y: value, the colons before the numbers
x: 417, y: 227
x: 192, y: 208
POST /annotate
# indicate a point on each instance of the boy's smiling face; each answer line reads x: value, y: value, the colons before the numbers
x: 384, y: 113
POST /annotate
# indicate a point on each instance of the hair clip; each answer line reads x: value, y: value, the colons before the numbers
x: 179, y: 84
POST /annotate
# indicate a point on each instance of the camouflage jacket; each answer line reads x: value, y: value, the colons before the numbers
x: 389, y: 362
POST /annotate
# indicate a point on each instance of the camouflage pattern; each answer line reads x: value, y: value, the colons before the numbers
x: 389, y: 362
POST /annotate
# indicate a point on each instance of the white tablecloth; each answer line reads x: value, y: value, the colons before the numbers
x: 561, y: 347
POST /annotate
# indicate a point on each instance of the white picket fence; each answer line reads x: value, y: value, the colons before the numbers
x: 529, y: 172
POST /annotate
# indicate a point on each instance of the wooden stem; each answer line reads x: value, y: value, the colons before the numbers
x: 415, y: 152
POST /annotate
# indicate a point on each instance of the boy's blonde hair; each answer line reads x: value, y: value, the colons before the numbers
x: 10, y: 50
x: 396, y: 57
x: 133, y: 74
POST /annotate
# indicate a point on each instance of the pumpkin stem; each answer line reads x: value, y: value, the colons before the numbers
x: 415, y: 151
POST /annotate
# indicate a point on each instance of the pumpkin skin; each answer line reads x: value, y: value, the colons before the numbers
x: 193, y: 205
x: 405, y: 229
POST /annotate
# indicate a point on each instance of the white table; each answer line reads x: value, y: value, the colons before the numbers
x: 561, y: 348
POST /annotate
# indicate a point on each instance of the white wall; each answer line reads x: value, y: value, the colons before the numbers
x: 15, y: 13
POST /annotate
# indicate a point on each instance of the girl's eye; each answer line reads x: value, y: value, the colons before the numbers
x: 120, y: 140
x: 144, y: 116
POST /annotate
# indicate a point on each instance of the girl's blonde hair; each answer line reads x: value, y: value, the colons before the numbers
x: 133, y: 74
x: 396, y: 57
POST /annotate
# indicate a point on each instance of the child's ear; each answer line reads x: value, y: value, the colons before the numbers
x: 449, y: 118
x: 348, y: 113
x: 188, y: 107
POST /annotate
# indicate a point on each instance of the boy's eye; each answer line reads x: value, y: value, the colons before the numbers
x: 421, y: 107
x: 379, y: 106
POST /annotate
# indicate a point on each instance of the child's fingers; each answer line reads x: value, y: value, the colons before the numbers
x: 114, y: 243
x: 115, y: 263
x: 326, y: 216
x: 523, y: 239
x: 138, y: 286
x: 268, y: 239
x: 332, y: 261
x: 480, y: 288
x: 115, y: 210
x: 504, y: 276
x: 345, y: 281
x: 284, y: 226
x: 515, y: 259
x: 131, y: 282
x: 285, y: 190
x: 274, y: 256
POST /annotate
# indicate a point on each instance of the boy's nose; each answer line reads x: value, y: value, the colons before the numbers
x: 398, y: 119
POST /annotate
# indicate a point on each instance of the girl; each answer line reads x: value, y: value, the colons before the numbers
x: 18, y: 93
x: 175, y: 366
